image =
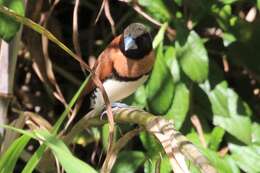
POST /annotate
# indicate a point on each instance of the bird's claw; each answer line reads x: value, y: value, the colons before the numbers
x: 114, y: 106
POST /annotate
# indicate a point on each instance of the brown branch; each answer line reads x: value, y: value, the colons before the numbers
x: 196, y: 122
x: 160, y: 127
x: 75, y: 33
x: 105, y: 7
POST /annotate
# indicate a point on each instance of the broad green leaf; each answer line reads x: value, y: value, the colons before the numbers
x: 150, y: 166
x: 157, y: 8
x: 128, y: 162
x: 228, y: 38
x: 160, y: 164
x: 160, y: 87
x: 230, y: 112
x: 219, y: 100
x: 256, y: 133
x: 159, y: 36
x: 8, y: 27
x: 216, y: 137
x: 221, y: 164
x: 228, y: 1
x: 246, y: 157
x: 172, y: 63
x: 165, y: 166
x: 10, y: 157
x: 233, y: 126
x: 151, y: 144
x: 140, y: 97
x: 195, y: 139
x: 193, y: 58
x: 180, y: 105
x: 232, y: 164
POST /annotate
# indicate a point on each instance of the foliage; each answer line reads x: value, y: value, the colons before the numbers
x: 209, y: 69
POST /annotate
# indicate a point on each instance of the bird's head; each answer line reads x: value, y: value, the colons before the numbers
x: 136, y: 41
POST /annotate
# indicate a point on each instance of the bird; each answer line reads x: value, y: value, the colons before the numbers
x: 123, y: 66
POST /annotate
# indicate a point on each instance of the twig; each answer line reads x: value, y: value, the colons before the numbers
x: 105, y: 6
x: 112, y: 156
x: 75, y: 33
x: 50, y: 36
x: 139, y: 10
x: 196, y: 122
x: 49, y: 69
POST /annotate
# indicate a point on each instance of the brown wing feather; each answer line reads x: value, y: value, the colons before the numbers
x: 104, y: 65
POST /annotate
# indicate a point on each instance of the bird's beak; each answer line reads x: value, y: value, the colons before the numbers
x: 129, y: 43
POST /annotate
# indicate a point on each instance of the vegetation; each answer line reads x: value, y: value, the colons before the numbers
x: 205, y: 79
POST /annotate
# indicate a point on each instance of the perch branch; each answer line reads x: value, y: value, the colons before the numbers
x: 175, y: 144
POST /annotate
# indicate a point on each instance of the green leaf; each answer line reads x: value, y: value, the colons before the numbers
x: 256, y: 133
x: 105, y: 135
x: 64, y: 155
x: 160, y: 164
x: 157, y: 8
x: 180, y: 105
x: 230, y: 112
x: 228, y: 1
x: 59, y: 149
x: 246, y: 157
x: 10, y: 157
x: 140, y: 97
x: 150, y: 166
x: 128, y: 162
x: 193, y: 58
x: 160, y: 35
x: 172, y: 63
x: 8, y: 27
x: 34, y: 160
x: 160, y: 87
x: 221, y: 164
x: 233, y: 126
x: 216, y: 138
x: 150, y: 143
x: 219, y: 100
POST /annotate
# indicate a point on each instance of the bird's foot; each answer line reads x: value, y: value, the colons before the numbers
x: 115, y: 106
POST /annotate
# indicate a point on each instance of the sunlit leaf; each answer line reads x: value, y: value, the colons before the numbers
x: 159, y: 36
x: 221, y: 164
x: 233, y: 126
x: 157, y: 8
x: 8, y: 27
x: 10, y: 157
x: 180, y: 105
x: 160, y: 87
x: 193, y: 58
x: 246, y: 157
x: 216, y: 137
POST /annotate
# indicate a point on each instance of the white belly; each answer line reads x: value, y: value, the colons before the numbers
x: 117, y: 90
